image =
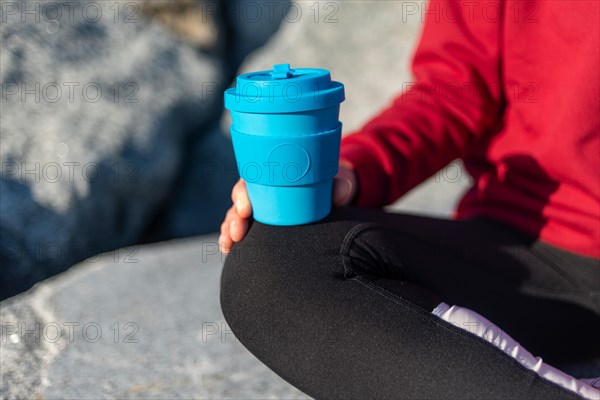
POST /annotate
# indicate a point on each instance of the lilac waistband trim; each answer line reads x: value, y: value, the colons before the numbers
x: 476, y: 324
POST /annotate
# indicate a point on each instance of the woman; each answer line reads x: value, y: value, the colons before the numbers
x: 360, y: 305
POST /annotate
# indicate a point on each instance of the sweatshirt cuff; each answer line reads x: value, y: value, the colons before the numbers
x: 371, y: 177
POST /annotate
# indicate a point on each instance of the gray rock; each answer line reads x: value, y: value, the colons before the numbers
x: 141, y: 322
x: 101, y: 111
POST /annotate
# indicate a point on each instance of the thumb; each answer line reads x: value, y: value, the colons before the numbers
x: 342, y: 191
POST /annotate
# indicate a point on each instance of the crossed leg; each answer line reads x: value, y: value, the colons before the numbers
x: 346, y: 308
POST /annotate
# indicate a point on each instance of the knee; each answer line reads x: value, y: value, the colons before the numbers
x: 269, y: 276
x: 253, y: 263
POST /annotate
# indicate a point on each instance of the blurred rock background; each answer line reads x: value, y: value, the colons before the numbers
x: 145, y: 320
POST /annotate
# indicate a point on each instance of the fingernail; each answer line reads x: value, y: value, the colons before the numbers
x: 238, y: 206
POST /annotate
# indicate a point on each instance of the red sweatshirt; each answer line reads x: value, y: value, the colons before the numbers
x: 513, y: 89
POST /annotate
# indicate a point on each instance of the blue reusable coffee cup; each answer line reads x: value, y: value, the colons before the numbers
x: 286, y: 137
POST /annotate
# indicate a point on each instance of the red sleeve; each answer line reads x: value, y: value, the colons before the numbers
x: 455, y: 98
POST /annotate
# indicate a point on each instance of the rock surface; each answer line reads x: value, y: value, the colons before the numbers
x: 140, y: 322
x: 97, y: 111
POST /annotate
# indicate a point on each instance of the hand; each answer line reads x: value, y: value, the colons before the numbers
x: 235, y: 226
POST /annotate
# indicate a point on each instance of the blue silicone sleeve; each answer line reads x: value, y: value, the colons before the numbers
x: 287, y: 160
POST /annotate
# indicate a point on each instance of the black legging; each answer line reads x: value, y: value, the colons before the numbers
x: 342, y: 308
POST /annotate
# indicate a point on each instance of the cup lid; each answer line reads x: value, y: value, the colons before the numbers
x: 284, y: 89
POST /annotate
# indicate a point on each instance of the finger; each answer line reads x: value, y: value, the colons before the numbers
x: 239, y: 195
x: 225, y: 223
x: 225, y: 241
x: 222, y: 230
x: 236, y: 189
x: 231, y: 213
x: 238, y: 229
